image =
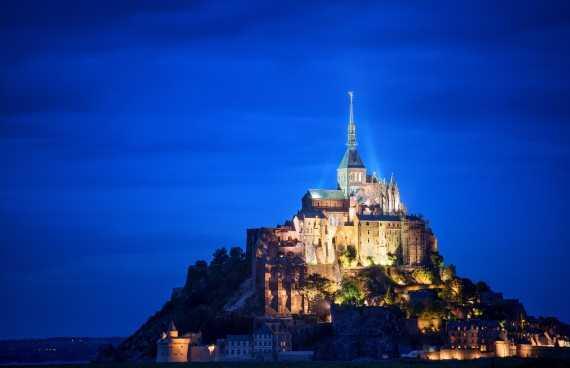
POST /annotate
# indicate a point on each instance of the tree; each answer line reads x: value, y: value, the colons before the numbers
x: 423, y: 276
x: 348, y: 256
x: 392, y: 259
x: 447, y: 294
x: 390, y: 296
x: 317, y: 287
x: 236, y: 254
x: 197, y: 277
x: 199, y: 305
x: 447, y: 273
x: 350, y: 293
x: 482, y: 287
x: 375, y: 280
x: 220, y: 258
x: 436, y: 260
x: 459, y: 290
x: 396, y: 276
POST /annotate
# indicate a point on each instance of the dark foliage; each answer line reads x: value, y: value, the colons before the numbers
x: 376, y: 281
x: 197, y: 307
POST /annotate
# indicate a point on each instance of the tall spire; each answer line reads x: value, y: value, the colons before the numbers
x: 351, y: 141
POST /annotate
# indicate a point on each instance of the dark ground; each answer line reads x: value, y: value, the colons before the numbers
x: 55, y: 349
x: 486, y: 363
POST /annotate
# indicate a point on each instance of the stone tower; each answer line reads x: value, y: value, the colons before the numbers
x: 351, y: 172
x: 172, y: 348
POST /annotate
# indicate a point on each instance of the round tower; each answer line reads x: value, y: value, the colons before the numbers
x: 171, y: 348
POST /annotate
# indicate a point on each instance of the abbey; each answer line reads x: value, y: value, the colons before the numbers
x: 360, y: 223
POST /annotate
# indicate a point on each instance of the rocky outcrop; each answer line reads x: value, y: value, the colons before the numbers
x: 362, y: 332
x: 216, y: 300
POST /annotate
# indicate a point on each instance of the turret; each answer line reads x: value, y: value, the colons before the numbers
x: 393, y: 192
x: 172, y: 331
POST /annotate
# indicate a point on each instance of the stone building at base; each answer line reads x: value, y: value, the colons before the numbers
x: 173, y: 348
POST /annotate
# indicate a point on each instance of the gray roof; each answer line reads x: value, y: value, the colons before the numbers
x: 379, y: 218
x: 238, y: 337
x: 351, y: 159
x: 326, y: 194
x: 306, y: 213
x: 263, y: 330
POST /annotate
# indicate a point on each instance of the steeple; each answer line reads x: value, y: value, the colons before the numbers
x: 351, y: 158
x: 351, y: 141
x: 351, y: 173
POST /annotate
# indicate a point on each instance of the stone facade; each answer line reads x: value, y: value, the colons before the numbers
x: 237, y: 347
x: 473, y: 334
x: 363, y: 333
x: 270, y: 337
x: 364, y: 217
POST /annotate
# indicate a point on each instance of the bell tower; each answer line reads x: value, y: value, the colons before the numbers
x: 351, y: 172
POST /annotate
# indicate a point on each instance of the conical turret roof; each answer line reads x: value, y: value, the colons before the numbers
x: 172, y: 326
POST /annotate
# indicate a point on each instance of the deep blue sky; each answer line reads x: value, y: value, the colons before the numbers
x: 136, y: 137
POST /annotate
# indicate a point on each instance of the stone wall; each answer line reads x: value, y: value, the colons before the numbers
x: 363, y: 332
x: 173, y: 350
x: 458, y: 354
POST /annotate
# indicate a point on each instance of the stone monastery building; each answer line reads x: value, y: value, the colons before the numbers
x: 361, y: 222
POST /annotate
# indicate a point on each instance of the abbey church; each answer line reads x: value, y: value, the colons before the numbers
x: 361, y: 222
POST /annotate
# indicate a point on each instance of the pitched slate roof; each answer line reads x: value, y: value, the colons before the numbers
x: 351, y: 159
x: 263, y: 330
x: 326, y: 194
x: 379, y: 218
x: 306, y: 213
x: 238, y: 337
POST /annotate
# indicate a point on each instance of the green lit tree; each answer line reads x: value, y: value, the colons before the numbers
x: 390, y: 297
x: 423, y: 276
x: 348, y: 257
x: 447, y: 273
x: 350, y: 293
x: 392, y: 259
x: 317, y: 288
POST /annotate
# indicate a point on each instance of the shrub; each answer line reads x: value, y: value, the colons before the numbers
x: 436, y: 260
x: 392, y: 259
x: 396, y: 276
x: 350, y: 293
x: 348, y: 257
x: 447, y: 273
x: 375, y: 281
x: 423, y: 276
x: 317, y: 287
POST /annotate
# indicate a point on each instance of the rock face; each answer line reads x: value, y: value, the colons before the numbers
x: 362, y: 332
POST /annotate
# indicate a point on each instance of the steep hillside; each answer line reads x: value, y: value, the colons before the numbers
x: 198, y: 306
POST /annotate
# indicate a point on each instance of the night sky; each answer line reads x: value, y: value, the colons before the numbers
x: 138, y: 136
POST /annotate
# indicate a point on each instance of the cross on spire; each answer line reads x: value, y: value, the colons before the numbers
x: 351, y: 141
